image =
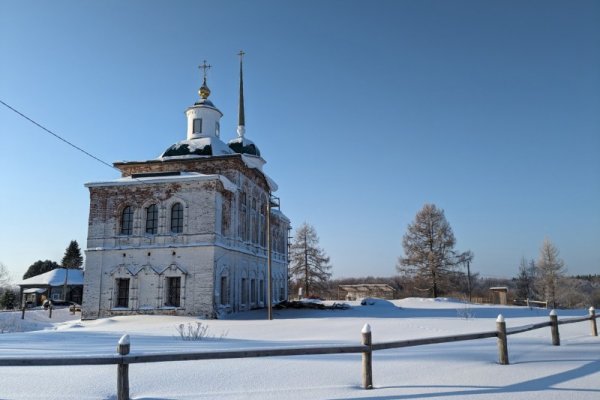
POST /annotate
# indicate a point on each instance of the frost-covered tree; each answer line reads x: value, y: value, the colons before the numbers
x: 39, y: 267
x: 4, y: 276
x: 309, y: 265
x: 73, y: 258
x: 429, y: 251
x: 550, y: 270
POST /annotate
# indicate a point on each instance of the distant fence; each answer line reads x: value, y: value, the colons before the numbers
x: 122, y: 359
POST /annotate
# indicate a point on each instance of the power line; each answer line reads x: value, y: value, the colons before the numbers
x: 56, y: 135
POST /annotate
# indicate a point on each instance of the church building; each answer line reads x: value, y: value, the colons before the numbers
x: 186, y: 233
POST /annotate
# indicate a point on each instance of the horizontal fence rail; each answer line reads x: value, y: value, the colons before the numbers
x: 123, y: 359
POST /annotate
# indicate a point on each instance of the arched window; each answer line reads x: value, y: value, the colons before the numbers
x: 152, y: 219
x: 243, y: 224
x: 254, y: 221
x: 177, y: 218
x: 127, y: 221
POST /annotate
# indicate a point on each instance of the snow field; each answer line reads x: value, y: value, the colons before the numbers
x: 458, y: 370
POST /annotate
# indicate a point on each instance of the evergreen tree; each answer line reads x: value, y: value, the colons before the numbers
x: 40, y: 267
x: 309, y: 264
x: 526, y: 279
x: 72, y: 258
x: 429, y: 248
x: 8, y: 300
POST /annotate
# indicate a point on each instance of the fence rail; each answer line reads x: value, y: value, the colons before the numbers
x: 123, y: 359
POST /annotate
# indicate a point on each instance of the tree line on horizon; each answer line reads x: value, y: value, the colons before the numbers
x: 432, y: 267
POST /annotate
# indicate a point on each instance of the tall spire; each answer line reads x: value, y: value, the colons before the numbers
x: 241, y: 129
x: 204, y: 91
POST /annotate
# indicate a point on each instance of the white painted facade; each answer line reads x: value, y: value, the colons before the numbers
x: 184, y: 234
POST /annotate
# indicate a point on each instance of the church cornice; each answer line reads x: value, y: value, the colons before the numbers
x: 205, y: 165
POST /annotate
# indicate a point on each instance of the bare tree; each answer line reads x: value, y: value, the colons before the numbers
x: 309, y: 265
x: 550, y: 269
x: 429, y: 249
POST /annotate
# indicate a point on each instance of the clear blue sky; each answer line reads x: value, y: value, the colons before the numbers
x: 364, y: 111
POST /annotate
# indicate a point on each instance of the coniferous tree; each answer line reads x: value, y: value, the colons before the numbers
x: 309, y: 265
x: 526, y: 279
x: 8, y: 300
x: 40, y: 267
x: 72, y: 258
x: 429, y: 248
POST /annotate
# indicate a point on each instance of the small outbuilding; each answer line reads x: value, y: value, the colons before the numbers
x: 500, y: 293
x: 51, y: 285
x: 355, y: 292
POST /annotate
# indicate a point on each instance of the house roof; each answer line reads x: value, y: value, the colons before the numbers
x: 367, y: 287
x: 56, y: 277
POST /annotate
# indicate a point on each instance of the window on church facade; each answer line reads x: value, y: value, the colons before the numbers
x: 173, y: 292
x: 224, y: 291
x: 244, y: 291
x: 253, y: 291
x: 177, y: 218
x: 243, y: 224
x: 197, y: 125
x: 122, y: 292
x: 127, y: 221
x: 254, y: 222
x: 217, y: 129
x: 152, y: 219
x: 261, y: 291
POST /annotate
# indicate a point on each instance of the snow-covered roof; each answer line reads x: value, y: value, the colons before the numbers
x: 243, y: 145
x: 201, y: 147
x: 56, y: 277
x: 182, y: 176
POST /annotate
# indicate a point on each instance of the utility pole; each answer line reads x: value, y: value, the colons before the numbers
x: 269, y: 276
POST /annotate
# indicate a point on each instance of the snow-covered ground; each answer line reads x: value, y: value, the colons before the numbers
x: 462, y: 370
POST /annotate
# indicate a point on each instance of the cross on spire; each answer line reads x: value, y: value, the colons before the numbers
x: 241, y: 54
x: 204, y: 67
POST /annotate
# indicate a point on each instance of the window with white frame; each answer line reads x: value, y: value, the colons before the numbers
x: 197, y: 128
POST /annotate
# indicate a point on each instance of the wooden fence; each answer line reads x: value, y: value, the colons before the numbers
x: 123, y: 358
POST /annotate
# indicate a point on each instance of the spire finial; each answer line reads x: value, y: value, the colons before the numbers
x: 241, y: 129
x: 204, y: 91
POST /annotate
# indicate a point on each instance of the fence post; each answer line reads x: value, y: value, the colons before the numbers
x: 123, y: 369
x: 554, y: 328
x: 502, y: 342
x: 50, y: 311
x: 367, y: 358
x: 593, y: 321
x: 23, y: 313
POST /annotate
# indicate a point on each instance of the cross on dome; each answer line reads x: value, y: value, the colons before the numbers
x: 205, y: 67
x: 204, y: 91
